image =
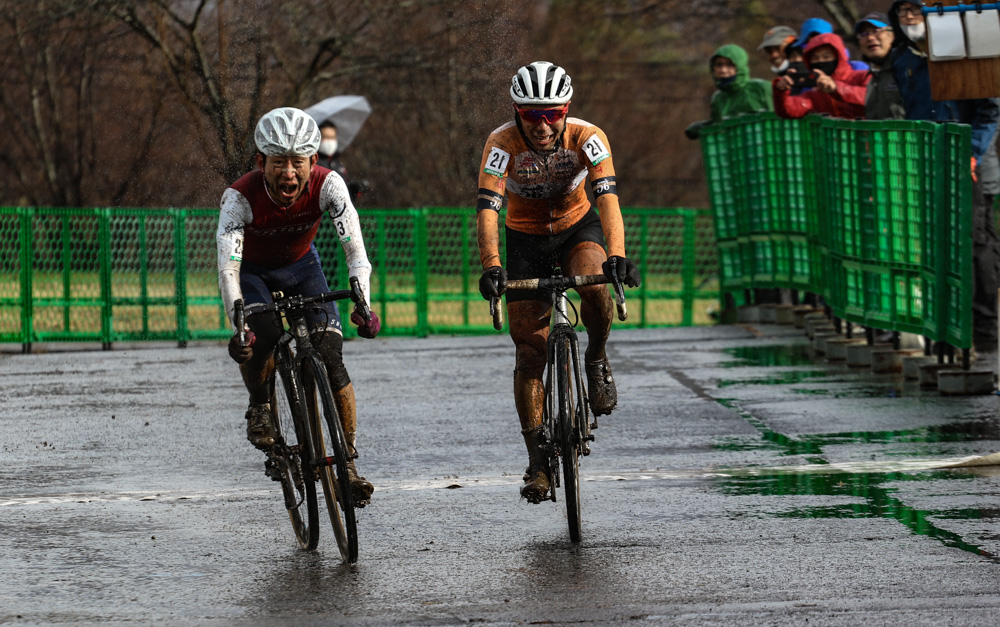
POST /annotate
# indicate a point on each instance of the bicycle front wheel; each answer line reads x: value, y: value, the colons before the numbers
x: 569, y: 434
x: 291, y: 461
x: 330, y: 451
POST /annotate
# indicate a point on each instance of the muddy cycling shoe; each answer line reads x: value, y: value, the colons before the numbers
x: 260, y: 430
x: 536, y: 486
x: 601, y: 387
x: 361, y: 488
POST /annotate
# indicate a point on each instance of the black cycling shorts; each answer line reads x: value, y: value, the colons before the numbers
x: 536, y: 256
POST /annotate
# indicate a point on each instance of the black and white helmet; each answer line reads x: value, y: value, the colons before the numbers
x: 287, y: 132
x: 541, y: 84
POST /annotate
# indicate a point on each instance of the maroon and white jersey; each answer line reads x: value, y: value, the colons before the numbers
x: 255, y: 228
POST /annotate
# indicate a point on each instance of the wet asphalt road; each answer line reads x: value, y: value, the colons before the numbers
x: 740, y: 481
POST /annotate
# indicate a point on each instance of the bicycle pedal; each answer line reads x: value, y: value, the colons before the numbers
x: 593, y: 425
x: 272, y: 470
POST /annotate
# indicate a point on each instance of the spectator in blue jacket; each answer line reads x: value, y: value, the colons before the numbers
x: 909, y: 65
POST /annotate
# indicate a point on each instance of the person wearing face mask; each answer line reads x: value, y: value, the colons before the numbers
x: 775, y: 45
x: 329, y: 157
x: 815, y: 26
x: 839, y: 91
x: 910, y: 69
x: 737, y: 92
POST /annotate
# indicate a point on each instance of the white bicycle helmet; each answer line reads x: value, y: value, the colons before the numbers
x: 541, y: 84
x: 288, y: 132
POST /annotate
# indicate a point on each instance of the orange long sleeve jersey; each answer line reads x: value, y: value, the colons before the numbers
x: 545, y: 194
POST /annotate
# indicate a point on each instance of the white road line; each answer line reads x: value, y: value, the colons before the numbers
x: 502, y: 480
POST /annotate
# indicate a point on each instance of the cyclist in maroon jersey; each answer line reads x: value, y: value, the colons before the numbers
x: 267, y: 224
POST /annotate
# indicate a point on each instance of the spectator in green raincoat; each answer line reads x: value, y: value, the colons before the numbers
x: 737, y: 93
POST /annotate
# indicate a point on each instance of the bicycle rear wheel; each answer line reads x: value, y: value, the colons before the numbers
x: 291, y: 462
x: 330, y: 451
x: 569, y: 434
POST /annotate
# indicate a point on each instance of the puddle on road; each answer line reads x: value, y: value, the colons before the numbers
x: 774, y: 355
x: 873, y: 487
x: 780, y: 378
x: 875, y: 494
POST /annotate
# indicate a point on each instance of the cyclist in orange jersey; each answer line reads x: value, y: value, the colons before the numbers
x: 540, y: 162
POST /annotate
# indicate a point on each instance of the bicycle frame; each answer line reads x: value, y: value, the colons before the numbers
x: 301, y: 374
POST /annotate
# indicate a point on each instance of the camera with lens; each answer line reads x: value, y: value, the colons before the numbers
x: 802, y: 77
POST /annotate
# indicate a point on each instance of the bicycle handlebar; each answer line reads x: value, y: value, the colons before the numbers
x: 286, y: 304
x: 561, y: 283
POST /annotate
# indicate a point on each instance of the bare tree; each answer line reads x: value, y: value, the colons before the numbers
x: 844, y: 12
x: 55, y: 61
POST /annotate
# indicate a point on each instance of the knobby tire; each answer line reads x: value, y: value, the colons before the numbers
x: 569, y: 434
x: 296, y: 472
x: 329, y: 442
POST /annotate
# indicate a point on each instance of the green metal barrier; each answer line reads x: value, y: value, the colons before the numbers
x: 114, y: 275
x: 875, y: 216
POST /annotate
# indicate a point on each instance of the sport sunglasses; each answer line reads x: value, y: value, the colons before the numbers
x: 534, y: 116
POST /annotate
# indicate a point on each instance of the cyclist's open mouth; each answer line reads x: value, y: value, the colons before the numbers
x: 288, y: 190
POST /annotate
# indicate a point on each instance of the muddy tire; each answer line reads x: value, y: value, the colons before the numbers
x: 330, y: 451
x: 293, y: 464
x: 564, y: 380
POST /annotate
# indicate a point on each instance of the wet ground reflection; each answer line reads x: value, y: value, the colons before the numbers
x: 874, y: 496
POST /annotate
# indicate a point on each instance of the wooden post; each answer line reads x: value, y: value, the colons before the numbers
x: 964, y: 79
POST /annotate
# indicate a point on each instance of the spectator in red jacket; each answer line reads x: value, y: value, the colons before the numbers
x: 839, y: 91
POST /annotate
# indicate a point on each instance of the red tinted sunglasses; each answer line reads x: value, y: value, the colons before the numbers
x: 534, y: 116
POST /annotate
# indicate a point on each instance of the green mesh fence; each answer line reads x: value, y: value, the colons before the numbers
x: 875, y: 216
x: 113, y: 275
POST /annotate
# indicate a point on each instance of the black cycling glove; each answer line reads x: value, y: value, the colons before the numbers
x: 493, y: 283
x: 626, y: 271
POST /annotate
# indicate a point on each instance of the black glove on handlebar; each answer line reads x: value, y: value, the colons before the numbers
x: 493, y: 283
x: 627, y: 272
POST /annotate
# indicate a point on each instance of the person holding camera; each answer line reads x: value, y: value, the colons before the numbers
x: 837, y: 89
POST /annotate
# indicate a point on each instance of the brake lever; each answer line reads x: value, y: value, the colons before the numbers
x: 240, y: 320
x: 496, y: 310
x: 619, y: 290
x: 358, y: 296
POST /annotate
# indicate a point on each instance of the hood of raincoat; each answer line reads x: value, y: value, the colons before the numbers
x: 740, y: 59
x: 844, y: 68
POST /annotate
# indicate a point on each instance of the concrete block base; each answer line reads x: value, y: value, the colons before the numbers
x: 911, y: 365
x: 929, y: 373
x: 784, y: 314
x: 965, y: 382
x: 836, y: 349
x: 768, y: 313
x: 801, y: 312
x: 748, y: 313
x: 860, y: 355
x: 819, y: 341
x: 891, y: 360
x: 818, y: 325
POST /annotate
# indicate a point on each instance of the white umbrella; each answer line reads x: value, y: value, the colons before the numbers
x: 347, y: 112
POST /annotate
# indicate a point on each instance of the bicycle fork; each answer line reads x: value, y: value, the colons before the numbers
x: 560, y: 312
